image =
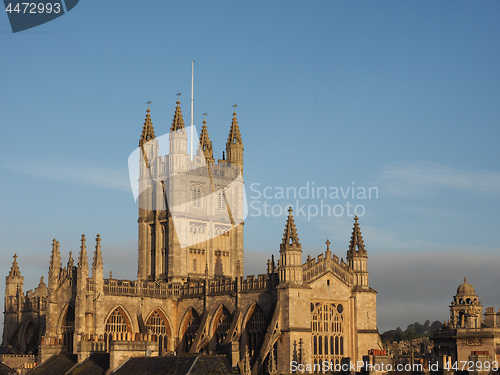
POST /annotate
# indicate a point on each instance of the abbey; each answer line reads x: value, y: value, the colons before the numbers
x: 190, y: 295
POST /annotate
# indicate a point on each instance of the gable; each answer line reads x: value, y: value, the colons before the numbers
x: 329, y: 286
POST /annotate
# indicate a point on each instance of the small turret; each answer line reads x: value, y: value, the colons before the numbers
x: 13, y: 301
x: 14, y: 282
x: 290, y: 267
x: 357, y: 257
x: 234, y: 144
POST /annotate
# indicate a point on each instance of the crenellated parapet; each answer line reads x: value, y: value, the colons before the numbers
x: 316, y: 267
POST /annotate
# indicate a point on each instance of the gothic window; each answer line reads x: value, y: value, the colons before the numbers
x: 157, y: 325
x: 255, y: 330
x: 327, y: 332
x: 221, y: 199
x: 117, y: 322
x: 222, y: 323
x: 191, y: 325
x: 164, y: 247
x: 68, y: 329
x: 152, y: 232
x: 196, y: 190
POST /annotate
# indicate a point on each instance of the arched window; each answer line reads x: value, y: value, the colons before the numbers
x: 118, y: 322
x: 256, y: 328
x: 221, y: 200
x: 157, y: 325
x: 191, y: 325
x: 222, y: 324
x: 68, y: 329
x: 327, y: 332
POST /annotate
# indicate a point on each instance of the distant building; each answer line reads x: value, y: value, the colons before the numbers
x: 193, y: 298
x: 468, y: 336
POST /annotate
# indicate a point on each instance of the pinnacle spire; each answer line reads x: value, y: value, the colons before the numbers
x: 148, y: 132
x: 97, y: 262
x: 55, y: 257
x: 234, y: 136
x: 14, y: 270
x: 206, y: 143
x: 177, y: 122
x: 356, y: 244
x: 290, y: 236
x: 83, y: 262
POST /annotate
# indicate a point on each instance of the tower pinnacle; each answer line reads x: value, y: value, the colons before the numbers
x: 14, y: 270
x: 148, y: 132
x: 290, y: 236
x: 177, y: 122
x: 356, y: 244
x: 206, y: 143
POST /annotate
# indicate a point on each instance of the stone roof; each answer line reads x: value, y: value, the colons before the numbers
x: 6, y: 370
x: 7, y: 349
x: 56, y: 365
x: 96, y: 364
x: 195, y: 364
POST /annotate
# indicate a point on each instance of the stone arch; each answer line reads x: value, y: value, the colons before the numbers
x: 188, y: 328
x: 159, y: 326
x: 118, y: 321
x: 219, y: 326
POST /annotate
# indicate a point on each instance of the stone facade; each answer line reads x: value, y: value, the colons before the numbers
x: 190, y: 295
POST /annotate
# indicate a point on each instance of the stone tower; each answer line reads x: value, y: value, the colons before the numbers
x: 190, y: 211
x: 294, y: 298
x: 13, y: 299
x: 290, y: 264
x: 466, y: 310
x: 357, y: 257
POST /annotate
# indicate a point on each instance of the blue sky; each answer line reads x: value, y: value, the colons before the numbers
x: 402, y: 96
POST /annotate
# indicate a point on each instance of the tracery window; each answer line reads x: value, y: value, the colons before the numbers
x: 327, y: 332
x: 256, y: 329
x: 158, y: 325
x: 196, y: 190
x: 222, y: 324
x: 68, y: 329
x: 117, y: 322
x: 221, y: 200
x: 192, y: 323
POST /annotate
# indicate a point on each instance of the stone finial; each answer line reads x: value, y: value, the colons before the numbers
x: 110, y: 274
x: 327, y: 245
x: 148, y: 132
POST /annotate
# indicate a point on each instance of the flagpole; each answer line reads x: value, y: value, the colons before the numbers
x: 192, y: 94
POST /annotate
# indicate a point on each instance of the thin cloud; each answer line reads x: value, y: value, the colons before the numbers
x: 96, y: 176
x: 423, y: 178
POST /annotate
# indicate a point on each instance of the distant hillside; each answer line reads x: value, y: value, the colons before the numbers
x: 413, y: 331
